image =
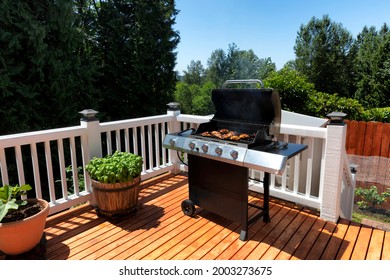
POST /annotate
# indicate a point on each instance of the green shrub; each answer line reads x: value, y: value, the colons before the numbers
x: 377, y: 114
x: 293, y: 89
x: 320, y: 104
x: 370, y: 197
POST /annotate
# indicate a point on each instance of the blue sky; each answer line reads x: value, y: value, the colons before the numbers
x: 269, y: 28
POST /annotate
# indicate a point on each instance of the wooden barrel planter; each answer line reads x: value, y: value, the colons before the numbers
x: 116, y: 199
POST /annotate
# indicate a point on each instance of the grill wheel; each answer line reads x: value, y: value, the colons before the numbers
x: 188, y: 207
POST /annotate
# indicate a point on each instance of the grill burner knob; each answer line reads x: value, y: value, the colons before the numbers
x: 234, y: 154
x: 172, y: 142
x: 218, y: 151
x: 205, y: 148
x: 191, y: 145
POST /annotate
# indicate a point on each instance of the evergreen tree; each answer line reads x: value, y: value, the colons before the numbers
x: 136, y: 44
x: 237, y: 64
x: 45, y: 77
x: 195, y: 73
x: 373, y: 67
x: 325, y: 54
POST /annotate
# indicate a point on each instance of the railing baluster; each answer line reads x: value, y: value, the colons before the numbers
x: 118, y: 140
x: 35, y: 165
x: 157, y: 145
x: 143, y: 150
x: 150, y: 146
x: 86, y: 156
x: 127, y: 140
x: 309, y: 171
x: 19, y: 165
x: 272, y: 182
x: 284, y: 175
x: 109, y: 142
x: 297, y: 167
x: 49, y: 169
x: 135, y: 140
x: 73, y: 159
x: 164, y: 154
x: 3, y: 168
x: 61, y: 159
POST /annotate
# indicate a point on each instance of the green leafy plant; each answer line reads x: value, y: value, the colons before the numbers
x: 377, y: 114
x: 370, y: 197
x: 69, y: 179
x: 115, y: 168
x: 9, y: 198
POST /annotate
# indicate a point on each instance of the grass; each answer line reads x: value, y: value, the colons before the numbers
x: 380, y: 215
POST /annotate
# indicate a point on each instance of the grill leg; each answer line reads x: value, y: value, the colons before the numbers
x: 244, y: 234
x: 266, y: 217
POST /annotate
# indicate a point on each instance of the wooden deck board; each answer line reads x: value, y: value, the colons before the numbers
x: 362, y: 242
x: 375, y: 244
x: 321, y: 242
x: 335, y: 241
x: 386, y: 247
x: 272, y: 235
x: 160, y: 230
x: 285, y: 237
x: 257, y: 231
x: 292, y: 245
x: 309, y: 241
x: 135, y: 234
x: 349, y: 241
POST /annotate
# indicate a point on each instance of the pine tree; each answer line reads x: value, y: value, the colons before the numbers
x: 46, y: 77
x: 136, y: 44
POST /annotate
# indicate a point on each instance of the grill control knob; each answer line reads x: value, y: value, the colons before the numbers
x: 234, y: 154
x: 205, y: 148
x: 191, y: 145
x: 218, y: 151
x: 172, y: 142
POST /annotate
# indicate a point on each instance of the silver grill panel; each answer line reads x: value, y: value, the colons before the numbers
x: 257, y: 159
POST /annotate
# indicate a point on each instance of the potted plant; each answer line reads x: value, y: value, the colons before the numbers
x: 22, y: 221
x: 115, y: 182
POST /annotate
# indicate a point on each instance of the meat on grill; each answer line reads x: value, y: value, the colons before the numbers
x: 244, y: 136
x: 216, y: 134
x: 226, y: 134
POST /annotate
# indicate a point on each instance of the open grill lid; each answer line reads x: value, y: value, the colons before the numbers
x: 253, y: 106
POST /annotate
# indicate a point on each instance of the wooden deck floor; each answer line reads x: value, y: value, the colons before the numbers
x: 159, y: 230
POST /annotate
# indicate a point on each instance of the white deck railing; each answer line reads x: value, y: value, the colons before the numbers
x: 41, y: 159
x: 301, y: 180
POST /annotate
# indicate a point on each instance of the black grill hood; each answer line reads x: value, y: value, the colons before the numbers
x: 252, y: 106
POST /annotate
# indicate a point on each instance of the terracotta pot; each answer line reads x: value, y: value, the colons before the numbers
x: 116, y: 199
x: 22, y: 236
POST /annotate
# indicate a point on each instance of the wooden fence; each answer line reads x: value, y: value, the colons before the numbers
x: 368, y: 146
x: 368, y: 138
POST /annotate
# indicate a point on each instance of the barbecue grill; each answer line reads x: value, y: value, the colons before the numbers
x: 241, y: 135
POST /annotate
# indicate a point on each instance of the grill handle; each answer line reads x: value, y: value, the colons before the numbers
x: 249, y: 81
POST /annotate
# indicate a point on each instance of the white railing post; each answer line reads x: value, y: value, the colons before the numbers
x: 92, y: 124
x: 333, y: 171
x: 91, y: 146
x: 174, y: 126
